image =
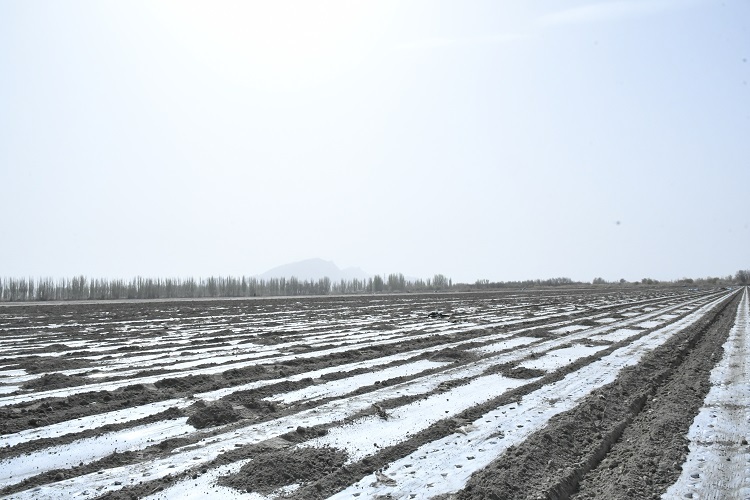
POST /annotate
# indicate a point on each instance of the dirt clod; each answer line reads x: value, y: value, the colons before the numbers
x: 210, y: 415
x: 274, y: 469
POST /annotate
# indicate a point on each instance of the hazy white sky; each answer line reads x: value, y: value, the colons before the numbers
x: 480, y: 139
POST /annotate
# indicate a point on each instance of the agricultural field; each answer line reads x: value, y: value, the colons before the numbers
x: 576, y: 393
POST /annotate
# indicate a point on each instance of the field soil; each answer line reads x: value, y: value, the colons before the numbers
x: 626, y: 440
x: 542, y: 394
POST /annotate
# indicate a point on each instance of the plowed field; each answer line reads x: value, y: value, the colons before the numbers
x: 580, y: 393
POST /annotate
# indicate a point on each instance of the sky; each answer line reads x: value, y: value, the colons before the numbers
x: 495, y: 139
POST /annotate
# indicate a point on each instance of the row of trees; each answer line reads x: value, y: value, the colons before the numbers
x: 487, y: 284
x: 741, y: 277
x: 82, y: 288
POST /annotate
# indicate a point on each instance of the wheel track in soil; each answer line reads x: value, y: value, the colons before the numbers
x: 717, y: 465
x: 358, y: 470
x: 627, y: 440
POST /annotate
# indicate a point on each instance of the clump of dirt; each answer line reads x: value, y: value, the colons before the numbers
x: 539, y: 333
x: 274, y: 469
x: 338, y: 375
x: 212, y: 414
x: 304, y: 433
x: 248, y: 372
x: 564, y: 345
x: 57, y: 347
x: 447, y: 385
x: 134, y: 388
x: 260, y: 405
x: 587, y: 322
x: 185, y: 383
x: 438, y: 315
x: 254, y: 398
x: 172, y: 443
x: 453, y: 354
x: 513, y: 371
x: 590, y: 342
x: 54, y: 381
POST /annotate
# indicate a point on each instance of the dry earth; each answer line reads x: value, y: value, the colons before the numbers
x: 577, y: 393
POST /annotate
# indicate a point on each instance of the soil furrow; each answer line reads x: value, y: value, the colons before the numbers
x: 51, y: 410
x: 327, y: 333
x: 667, y: 385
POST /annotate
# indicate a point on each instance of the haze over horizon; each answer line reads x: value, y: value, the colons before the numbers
x: 481, y: 140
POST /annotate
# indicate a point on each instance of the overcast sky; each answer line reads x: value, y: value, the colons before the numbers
x: 479, y: 139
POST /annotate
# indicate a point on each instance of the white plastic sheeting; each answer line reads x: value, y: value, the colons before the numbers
x: 444, y: 466
x: 718, y: 465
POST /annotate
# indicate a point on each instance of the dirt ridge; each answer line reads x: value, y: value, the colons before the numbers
x: 617, y: 422
x: 551, y: 463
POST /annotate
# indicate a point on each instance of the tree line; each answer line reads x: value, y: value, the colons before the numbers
x: 741, y: 277
x: 83, y: 288
x: 487, y: 284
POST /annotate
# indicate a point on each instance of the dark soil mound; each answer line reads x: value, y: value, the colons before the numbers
x: 209, y: 415
x: 304, y: 433
x: 135, y: 388
x: 278, y: 468
x: 249, y: 372
x: 184, y: 383
x: 54, y: 381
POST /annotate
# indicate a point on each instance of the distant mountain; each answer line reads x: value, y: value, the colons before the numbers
x: 314, y: 269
